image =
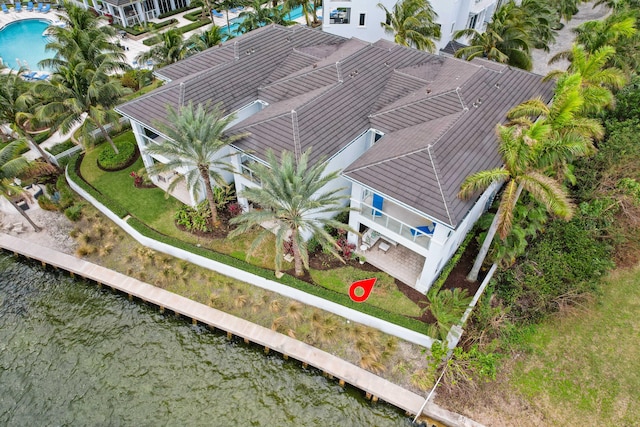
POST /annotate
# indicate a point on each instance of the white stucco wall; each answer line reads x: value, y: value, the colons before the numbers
x: 453, y: 15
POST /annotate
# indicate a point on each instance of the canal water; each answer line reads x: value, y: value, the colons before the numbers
x: 72, y: 354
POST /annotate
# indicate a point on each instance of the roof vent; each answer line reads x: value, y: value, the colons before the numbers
x: 428, y: 90
x: 386, y: 63
x: 497, y: 85
x: 315, y: 65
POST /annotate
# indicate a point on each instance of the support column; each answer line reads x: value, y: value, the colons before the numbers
x: 122, y: 16
x: 173, y: 4
x: 156, y: 6
x: 354, y: 213
x: 141, y: 15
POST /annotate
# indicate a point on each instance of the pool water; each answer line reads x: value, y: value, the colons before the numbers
x: 22, y: 42
x: 294, y: 14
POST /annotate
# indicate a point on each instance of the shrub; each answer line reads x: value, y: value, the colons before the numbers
x: 194, y: 219
x: 130, y: 80
x: 61, y: 148
x: 566, y: 261
x: 175, y: 12
x: 74, y: 213
x: 47, y: 204
x: 234, y: 209
x: 110, y: 161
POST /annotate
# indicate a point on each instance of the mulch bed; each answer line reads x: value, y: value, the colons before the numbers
x: 220, y: 232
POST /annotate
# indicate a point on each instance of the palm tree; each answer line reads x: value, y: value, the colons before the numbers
x: 291, y: 196
x: 615, y: 28
x: 307, y: 8
x: 171, y: 49
x: 83, y: 39
x: 195, y: 139
x: 16, y: 108
x: 202, y: 41
x: 78, y: 93
x: 618, y: 5
x: 598, y: 80
x: 520, y: 148
x: 505, y: 40
x: 542, y: 22
x: 566, y: 8
x: 412, y: 23
x: 260, y: 14
x: 12, y: 164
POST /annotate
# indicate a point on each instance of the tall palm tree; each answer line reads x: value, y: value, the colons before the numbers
x: 172, y: 48
x: 520, y: 147
x: 291, y: 196
x: 542, y: 22
x: 307, y: 9
x: 566, y: 8
x: 84, y: 39
x: 505, y: 40
x: 598, y: 80
x: 412, y: 23
x: 202, y: 41
x: 78, y: 93
x: 11, y: 165
x: 16, y: 108
x: 196, y: 136
x: 259, y: 14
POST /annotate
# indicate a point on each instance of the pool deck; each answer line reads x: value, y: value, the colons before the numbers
x: 374, y: 386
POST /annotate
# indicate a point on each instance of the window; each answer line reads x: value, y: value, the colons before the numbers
x: 362, y: 20
x: 341, y: 15
x: 453, y: 26
x: 473, y: 20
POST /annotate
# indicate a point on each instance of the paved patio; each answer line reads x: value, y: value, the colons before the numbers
x: 397, y: 261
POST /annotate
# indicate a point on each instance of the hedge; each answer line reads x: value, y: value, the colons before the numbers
x: 61, y: 147
x: 175, y: 11
x: 111, y: 161
x: 141, y: 29
x: 193, y: 16
x: 288, y: 280
x: 74, y: 175
x: 156, y: 39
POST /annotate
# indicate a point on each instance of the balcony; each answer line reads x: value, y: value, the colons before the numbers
x: 245, y: 168
x: 397, y: 220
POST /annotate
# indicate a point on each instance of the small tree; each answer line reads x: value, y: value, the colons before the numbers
x: 291, y: 197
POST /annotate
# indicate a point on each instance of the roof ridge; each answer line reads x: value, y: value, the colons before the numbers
x: 296, y: 135
x: 428, y: 98
x: 435, y: 173
x: 412, y: 152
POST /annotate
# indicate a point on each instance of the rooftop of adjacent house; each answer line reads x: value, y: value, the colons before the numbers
x: 438, y: 114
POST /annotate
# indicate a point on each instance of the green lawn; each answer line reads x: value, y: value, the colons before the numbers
x: 585, y: 369
x: 385, y: 293
x: 148, y: 204
x: 152, y: 207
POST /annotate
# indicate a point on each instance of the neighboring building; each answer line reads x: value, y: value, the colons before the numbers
x: 131, y: 12
x: 362, y: 18
x: 405, y: 126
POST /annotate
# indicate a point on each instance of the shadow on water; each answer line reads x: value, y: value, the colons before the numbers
x: 72, y: 354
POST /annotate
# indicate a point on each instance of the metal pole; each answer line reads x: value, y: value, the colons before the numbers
x: 431, y: 392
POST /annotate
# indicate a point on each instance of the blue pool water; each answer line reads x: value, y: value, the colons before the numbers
x: 23, y: 40
x: 294, y: 14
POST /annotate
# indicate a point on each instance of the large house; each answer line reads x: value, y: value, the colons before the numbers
x: 362, y: 18
x: 404, y: 126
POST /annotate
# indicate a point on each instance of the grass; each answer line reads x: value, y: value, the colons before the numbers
x: 148, y: 204
x: 586, y: 367
x: 385, y: 293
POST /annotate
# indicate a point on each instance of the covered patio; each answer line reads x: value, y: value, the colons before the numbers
x: 396, y: 260
x: 180, y: 192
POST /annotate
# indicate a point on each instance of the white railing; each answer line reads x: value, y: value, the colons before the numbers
x: 249, y: 174
x: 394, y: 225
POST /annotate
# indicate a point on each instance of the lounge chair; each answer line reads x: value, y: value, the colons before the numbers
x: 30, y: 6
x: 30, y: 75
x: 40, y: 6
x: 46, y: 8
x: 4, y: 8
x: 377, y: 205
x: 423, y: 230
x: 216, y: 13
x: 41, y: 76
x: 18, y: 7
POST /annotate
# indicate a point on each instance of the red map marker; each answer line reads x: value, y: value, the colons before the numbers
x: 366, y: 286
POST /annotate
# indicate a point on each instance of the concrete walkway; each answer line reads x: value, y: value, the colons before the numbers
x: 373, y: 385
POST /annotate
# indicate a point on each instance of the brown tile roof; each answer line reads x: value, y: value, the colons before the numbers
x: 438, y: 114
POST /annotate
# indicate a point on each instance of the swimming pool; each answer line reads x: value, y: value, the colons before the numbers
x: 294, y: 14
x: 22, y: 42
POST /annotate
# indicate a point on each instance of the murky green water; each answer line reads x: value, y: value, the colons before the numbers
x: 72, y: 354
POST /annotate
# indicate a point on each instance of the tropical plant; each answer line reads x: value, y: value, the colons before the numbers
x: 16, y: 108
x: 610, y: 31
x: 598, y: 80
x: 542, y: 23
x: 566, y: 8
x: 307, y: 9
x: 206, y: 39
x: 505, y: 39
x: 412, y: 23
x: 79, y: 93
x: 258, y: 14
x: 447, y: 306
x: 195, y: 139
x: 12, y: 164
x: 171, y: 49
x: 291, y: 196
x: 521, y: 148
